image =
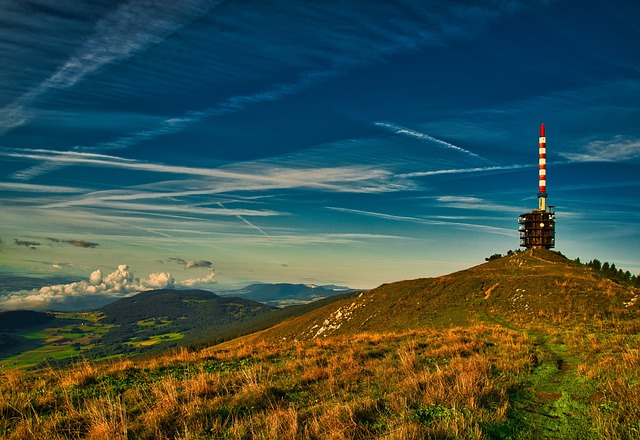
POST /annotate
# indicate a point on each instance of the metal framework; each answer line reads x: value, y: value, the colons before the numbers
x: 538, y: 229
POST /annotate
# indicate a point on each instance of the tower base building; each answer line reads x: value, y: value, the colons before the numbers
x: 538, y: 229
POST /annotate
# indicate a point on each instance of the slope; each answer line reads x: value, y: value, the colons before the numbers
x: 524, y: 288
x: 528, y: 346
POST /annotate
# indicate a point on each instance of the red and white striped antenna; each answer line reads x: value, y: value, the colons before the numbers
x: 542, y: 172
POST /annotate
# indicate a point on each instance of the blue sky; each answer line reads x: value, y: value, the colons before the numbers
x: 214, y: 143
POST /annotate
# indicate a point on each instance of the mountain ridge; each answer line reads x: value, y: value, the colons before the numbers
x: 525, y: 286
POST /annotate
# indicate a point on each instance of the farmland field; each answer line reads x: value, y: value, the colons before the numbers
x: 71, y: 334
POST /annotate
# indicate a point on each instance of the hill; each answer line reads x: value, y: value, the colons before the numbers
x: 142, y: 321
x: 15, y: 319
x: 531, y: 345
x: 526, y: 288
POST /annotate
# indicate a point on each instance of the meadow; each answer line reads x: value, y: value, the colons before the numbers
x: 474, y: 382
x: 73, y: 334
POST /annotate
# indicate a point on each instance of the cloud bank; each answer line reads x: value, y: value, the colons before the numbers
x: 94, y: 292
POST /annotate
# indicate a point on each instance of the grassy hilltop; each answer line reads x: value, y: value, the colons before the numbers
x: 531, y: 345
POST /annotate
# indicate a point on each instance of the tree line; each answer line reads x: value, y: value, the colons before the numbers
x: 606, y: 269
x: 609, y: 270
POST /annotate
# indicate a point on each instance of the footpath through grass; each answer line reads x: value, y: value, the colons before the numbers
x: 560, y: 400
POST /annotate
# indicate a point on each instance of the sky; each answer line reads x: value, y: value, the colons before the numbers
x: 212, y: 143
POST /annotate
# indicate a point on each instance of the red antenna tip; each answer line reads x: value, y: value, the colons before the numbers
x: 541, y: 130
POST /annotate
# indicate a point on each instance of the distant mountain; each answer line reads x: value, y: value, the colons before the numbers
x: 287, y: 294
x: 531, y: 286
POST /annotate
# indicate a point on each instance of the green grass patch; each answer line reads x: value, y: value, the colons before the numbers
x: 155, y: 339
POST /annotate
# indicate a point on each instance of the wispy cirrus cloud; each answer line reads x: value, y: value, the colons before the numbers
x: 341, y: 39
x: 474, y: 204
x: 129, y: 29
x: 617, y: 149
x: 241, y: 176
x: 35, y: 188
x: 439, y: 221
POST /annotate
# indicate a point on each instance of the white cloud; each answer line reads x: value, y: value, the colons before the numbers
x: 209, y: 278
x: 34, y: 188
x: 97, y: 290
x: 617, y: 149
x: 249, y: 176
x: 474, y: 204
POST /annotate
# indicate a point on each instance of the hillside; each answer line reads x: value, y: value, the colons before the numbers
x: 142, y: 321
x: 526, y: 287
x: 16, y: 319
x: 151, y: 321
x: 531, y: 345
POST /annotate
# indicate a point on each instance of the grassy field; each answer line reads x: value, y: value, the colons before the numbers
x: 155, y: 339
x: 79, y: 332
x: 485, y: 380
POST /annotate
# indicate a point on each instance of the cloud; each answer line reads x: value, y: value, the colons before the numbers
x: 98, y: 289
x: 465, y: 170
x: 26, y: 243
x: 28, y: 187
x: 618, y: 149
x: 474, y: 204
x: 423, y: 137
x: 76, y: 243
x: 129, y: 29
x: 340, y: 39
x: 240, y: 177
x: 210, y: 277
x: 440, y: 221
x: 207, y: 279
x: 191, y: 264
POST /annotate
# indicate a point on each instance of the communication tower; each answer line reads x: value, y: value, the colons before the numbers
x: 538, y: 227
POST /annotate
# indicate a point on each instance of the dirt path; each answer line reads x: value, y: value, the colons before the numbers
x: 555, y: 404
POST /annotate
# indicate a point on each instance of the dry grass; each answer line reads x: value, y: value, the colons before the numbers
x: 453, y: 383
x: 419, y: 384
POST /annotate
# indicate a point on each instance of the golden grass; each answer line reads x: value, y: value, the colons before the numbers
x: 452, y: 383
x: 395, y: 385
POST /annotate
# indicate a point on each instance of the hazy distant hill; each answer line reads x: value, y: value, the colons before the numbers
x: 526, y: 286
x: 286, y: 294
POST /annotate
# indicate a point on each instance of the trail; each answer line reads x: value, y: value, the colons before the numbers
x: 555, y: 403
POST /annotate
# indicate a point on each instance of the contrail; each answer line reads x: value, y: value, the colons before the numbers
x: 422, y: 136
x: 464, y: 170
x: 246, y: 221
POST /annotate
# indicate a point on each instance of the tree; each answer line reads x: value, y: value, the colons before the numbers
x: 595, y: 263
